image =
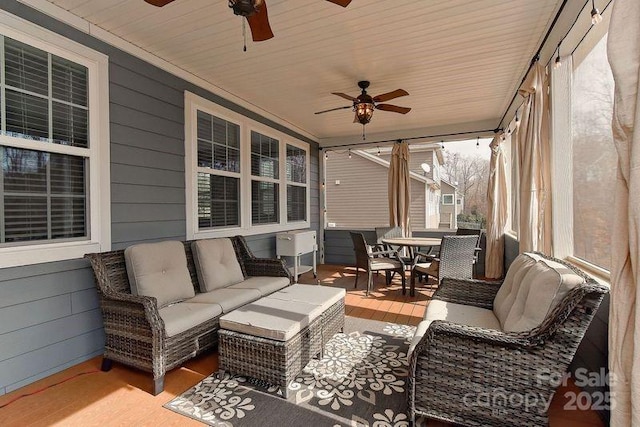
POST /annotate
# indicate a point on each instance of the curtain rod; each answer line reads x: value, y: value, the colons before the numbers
x: 535, y: 58
x: 442, y: 135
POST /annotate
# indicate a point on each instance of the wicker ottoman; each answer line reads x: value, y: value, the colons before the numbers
x: 274, y: 338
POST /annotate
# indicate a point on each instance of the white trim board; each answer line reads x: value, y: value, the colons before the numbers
x: 85, y: 26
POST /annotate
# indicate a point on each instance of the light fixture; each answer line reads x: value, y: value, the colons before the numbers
x: 364, y: 112
x: 326, y: 155
x: 478, y: 142
x: 596, y: 18
x: 349, y: 152
x: 558, y: 62
x: 378, y: 151
x: 442, y: 144
x: 517, y: 118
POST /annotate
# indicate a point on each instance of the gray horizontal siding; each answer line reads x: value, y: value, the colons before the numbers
x: 49, y: 315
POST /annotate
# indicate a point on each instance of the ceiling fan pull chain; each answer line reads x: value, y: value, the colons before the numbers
x: 244, y: 34
x: 364, y: 137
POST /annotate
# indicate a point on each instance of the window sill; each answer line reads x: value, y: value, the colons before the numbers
x: 263, y: 229
x: 598, y: 273
x: 18, y: 256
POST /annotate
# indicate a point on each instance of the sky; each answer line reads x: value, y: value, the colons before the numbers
x: 468, y: 148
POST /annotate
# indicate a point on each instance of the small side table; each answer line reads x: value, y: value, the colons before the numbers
x: 295, y: 244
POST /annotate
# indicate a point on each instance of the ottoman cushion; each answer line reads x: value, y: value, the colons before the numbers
x: 271, y: 318
x: 323, y: 296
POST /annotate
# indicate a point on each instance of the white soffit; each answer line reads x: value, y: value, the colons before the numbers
x: 460, y: 60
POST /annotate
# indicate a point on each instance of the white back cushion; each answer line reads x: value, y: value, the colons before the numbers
x: 540, y: 291
x: 216, y: 264
x: 507, y: 293
x: 159, y: 270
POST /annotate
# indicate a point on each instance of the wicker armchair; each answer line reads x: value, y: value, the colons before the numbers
x: 473, y: 375
x: 134, y: 331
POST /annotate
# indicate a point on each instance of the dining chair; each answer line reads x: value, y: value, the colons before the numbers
x: 372, y: 260
x: 391, y: 233
x: 455, y: 260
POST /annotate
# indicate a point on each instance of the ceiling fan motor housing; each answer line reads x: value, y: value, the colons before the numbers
x: 245, y: 7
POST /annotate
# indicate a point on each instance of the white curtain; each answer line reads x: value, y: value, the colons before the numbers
x: 399, y: 188
x: 497, y: 211
x: 534, y: 164
x: 624, y: 331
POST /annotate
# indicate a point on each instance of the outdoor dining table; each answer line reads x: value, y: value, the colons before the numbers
x: 412, y: 243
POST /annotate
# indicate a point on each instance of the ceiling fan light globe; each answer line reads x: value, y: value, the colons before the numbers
x: 364, y: 112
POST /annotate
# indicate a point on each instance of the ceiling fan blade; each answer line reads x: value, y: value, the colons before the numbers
x: 259, y: 24
x: 334, y: 109
x: 343, y: 3
x: 390, y: 95
x: 159, y: 3
x: 344, y: 95
x: 393, y: 108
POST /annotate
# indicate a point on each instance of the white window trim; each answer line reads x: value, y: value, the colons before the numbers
x: 193, y: 103
x: 444, y: 197
x: 98, y: 152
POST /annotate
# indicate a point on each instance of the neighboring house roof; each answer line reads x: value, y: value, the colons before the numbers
x: 449, y: 184
x: 387, y: 164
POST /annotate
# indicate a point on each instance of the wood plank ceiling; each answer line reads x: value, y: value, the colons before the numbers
x: 460, y: 60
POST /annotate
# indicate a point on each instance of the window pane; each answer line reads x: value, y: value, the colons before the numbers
x: 27, y: 115
x: 70, y: 125
x: 264, y: 202
x: 69, y: 81
x: 24, y: 171
x: 594, y: 158
x: 26, y: 67
x: 44, y: 195
x: 296, y: 203
x: 264, y: 156
x: 296, y: 164
x: 218, y: 143
x: 68, y: 217
x: 25, y: 218
x: 218, y: 201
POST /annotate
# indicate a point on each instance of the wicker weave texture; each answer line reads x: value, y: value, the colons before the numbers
x: 134, y: 332
x: 479, y: 377
x: 278, y: 362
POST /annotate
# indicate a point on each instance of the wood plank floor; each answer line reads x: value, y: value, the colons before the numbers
x: 121, y: 397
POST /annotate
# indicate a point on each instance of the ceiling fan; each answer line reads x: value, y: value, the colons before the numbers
x: 256, y: 13
x: 364, y: 104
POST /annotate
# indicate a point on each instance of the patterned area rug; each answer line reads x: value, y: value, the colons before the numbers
x: 360, y: 381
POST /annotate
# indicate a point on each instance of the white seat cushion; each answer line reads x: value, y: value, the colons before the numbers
x: 183, y: 316
x: 541, y: 289
x: 324, y: 296
x: 507, y: 293
x: 271, y: 318
x: 216, y: 264
x: 385, y: 264
x: 159, y: 270
x: 264, y: 284
x: 228, y: 299
x: 455, y: 313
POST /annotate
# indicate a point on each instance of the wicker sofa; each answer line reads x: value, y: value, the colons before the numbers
x: 135, y: 330
x: 491, y: 353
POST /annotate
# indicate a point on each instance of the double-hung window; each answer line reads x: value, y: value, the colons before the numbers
x: 53, y: 125
x: 241, y: 176
x: 447, y: 199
